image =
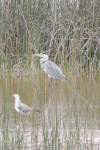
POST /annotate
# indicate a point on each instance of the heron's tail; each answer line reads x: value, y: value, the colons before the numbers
x: 64, y: 78
x: 35, y: 110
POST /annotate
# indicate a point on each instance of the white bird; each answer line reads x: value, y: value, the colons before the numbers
x: 50, y: 67
x: 22, y: 108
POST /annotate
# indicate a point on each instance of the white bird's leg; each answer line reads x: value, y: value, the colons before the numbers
x: 23, y: 118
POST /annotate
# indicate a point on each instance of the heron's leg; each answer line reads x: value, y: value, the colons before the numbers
x: 49, y: 80
x: 56, y: 83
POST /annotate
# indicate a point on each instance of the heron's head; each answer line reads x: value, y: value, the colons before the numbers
x: 15, y: 95
x: 42, y: 55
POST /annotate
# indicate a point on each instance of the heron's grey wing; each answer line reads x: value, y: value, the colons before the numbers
x: 53, y: 70
x: 24, y: 108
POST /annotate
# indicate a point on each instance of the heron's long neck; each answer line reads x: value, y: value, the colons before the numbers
x: 42, y: 60
x: 45, y: 57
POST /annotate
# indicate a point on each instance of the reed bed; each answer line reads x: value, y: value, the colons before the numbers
x: 69, y: 29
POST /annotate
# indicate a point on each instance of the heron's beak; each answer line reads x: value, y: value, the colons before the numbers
x: 13, y: 95
x: 37, y: 55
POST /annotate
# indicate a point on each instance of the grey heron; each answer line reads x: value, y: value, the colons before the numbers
x: 50, y: 67
x: 20, y: 107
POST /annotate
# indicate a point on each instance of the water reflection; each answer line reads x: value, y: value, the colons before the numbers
x: 60, y: 107
x: 35, y: 92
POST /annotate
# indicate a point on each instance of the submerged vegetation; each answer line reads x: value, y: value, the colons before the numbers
x: 69, y: 29
x: 65, y: 121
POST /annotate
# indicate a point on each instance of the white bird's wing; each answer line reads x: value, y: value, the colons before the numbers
x: 52, y: 70
x: 24, y: 108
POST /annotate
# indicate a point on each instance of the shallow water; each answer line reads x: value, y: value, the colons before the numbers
x: 67, y: 105
x: 36, y: 92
